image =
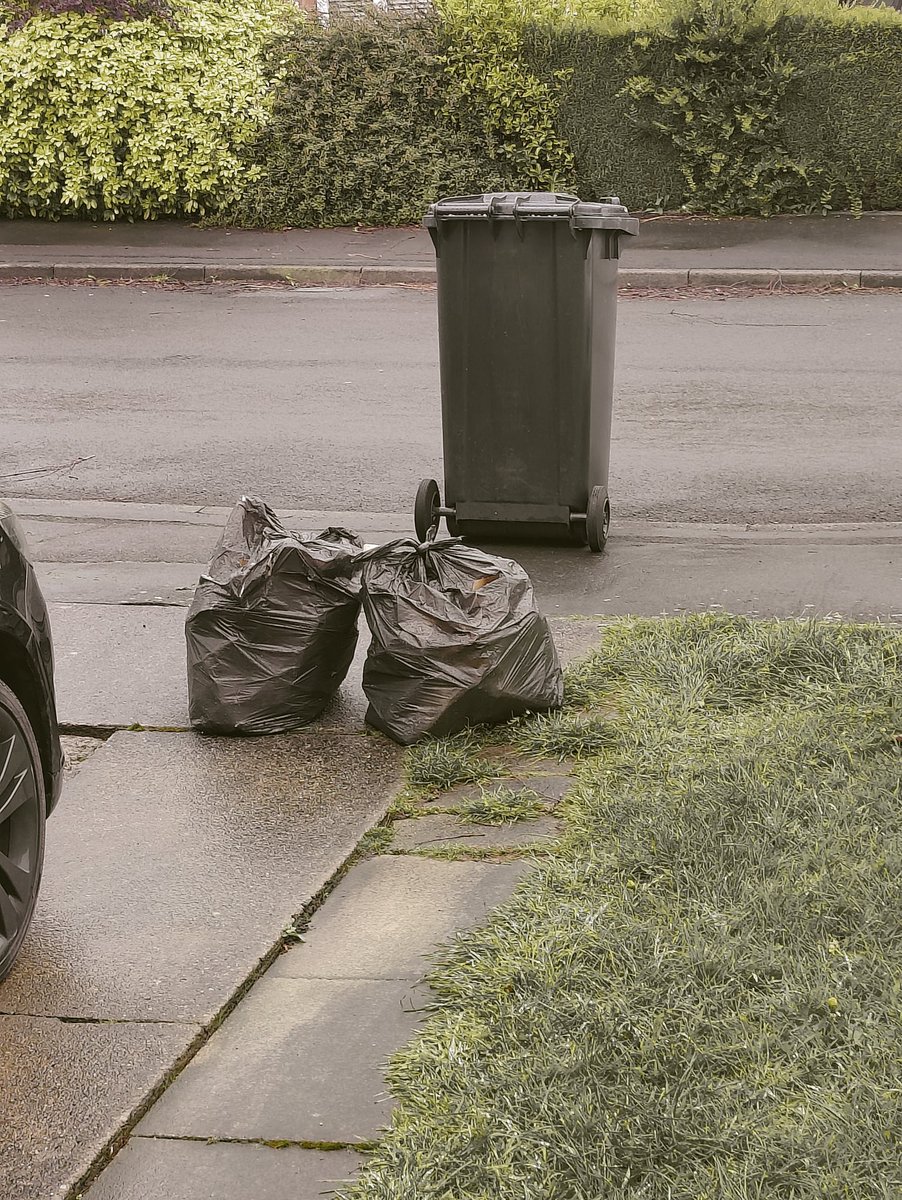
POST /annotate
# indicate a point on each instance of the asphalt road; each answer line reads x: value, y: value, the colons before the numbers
x: 769, y: 409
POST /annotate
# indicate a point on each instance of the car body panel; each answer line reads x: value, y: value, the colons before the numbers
x: 26, y: 651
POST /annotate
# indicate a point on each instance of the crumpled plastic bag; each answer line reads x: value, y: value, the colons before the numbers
x: 273, y: 627
x: 457, y: 639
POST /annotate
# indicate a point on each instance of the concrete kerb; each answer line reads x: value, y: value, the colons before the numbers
x: 176, y: 272
x: 338, y: 276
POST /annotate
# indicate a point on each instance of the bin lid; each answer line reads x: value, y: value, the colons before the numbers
x: 534, y: 206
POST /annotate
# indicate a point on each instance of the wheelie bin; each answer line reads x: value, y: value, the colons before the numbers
x: 527, y: 303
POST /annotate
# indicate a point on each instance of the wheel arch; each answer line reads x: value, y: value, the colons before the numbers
x: 18, y: 672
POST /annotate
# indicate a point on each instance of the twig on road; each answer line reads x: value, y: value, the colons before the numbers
x: 76, y: 462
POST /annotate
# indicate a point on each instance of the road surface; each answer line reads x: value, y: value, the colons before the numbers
x: 770, y: 409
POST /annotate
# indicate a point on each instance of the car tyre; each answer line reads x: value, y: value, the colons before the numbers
x: 23, y: 811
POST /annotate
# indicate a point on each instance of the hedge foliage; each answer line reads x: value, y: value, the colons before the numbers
x: 846, y: 111
x: 366, y: 126
x: 720, y: 106
x: 733, y: 107
x: 131, y: 118
x: 246, y: 110
x: 482, y: 43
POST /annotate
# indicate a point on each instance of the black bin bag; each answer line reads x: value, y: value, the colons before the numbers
x: 273, y: 626
x: 457, y: 640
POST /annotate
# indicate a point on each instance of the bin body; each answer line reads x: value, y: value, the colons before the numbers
x: 527, y: 294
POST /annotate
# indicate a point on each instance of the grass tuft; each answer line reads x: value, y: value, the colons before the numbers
x: 439, y: 765
x: 501, y: 806
x: 565, y: 734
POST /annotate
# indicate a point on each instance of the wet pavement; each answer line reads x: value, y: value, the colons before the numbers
x: 175, y: 862
x: 173, y: 867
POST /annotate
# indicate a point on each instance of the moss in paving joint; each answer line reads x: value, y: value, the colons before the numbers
x: 457, y: 852
x: 502, y: 806
x: 374, y: 841
x: 103, y: 733
x: 269, y: 1143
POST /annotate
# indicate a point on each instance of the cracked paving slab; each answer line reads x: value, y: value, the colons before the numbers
x: 299, y: 1059
x: 65, y: 1087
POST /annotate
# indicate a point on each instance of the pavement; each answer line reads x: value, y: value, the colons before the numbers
x: 162, y: 1034
x: 837, y: 249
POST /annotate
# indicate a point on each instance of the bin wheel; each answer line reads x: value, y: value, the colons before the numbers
x: 425, y: 509
x: 598, y: 519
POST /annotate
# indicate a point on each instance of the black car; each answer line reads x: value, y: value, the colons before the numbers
x: 31, y: 759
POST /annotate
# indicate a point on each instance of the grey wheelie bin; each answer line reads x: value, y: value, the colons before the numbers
x: 527, y: 301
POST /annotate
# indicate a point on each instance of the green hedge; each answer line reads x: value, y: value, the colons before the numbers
x: 611, y: 157
x: 110, y: 118
x: 244, y: 110
x: 846, y: 110
x: 721, y: 106
x: 366, y: 126
x: 827, y: 134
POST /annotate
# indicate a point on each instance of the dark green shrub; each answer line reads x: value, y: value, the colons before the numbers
x: 732, y: 108
x: 611, y: 156
x: 845, y: 115
x: 366, y: 126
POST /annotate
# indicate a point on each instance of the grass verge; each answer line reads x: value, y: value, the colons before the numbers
x: 697, y: 993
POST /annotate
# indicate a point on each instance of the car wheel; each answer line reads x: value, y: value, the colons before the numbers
x: 23, y: 810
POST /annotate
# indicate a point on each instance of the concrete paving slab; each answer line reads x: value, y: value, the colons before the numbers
x: 166, y: 1169
x: 859, y: 580
x: 150, y: 584
x: 574, y: 639
x: 118, y: 665
x: 648, y: 568
x: 390, y: 912
x: 174, y: 862
x: 299, y: 1059
x: 445, y: 831
x: 34, y: 510
x: 81, y: 538
x: 65, y: 1089
x: 550, y: 787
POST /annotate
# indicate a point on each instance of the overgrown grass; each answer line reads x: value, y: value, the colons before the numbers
x: 566, y: 734
x: 439, y: 765
x: 501, y: 806
x: 697, y: 993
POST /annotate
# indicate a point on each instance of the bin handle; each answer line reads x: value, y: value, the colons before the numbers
x: 518, y: 220
x: 573, y: 208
